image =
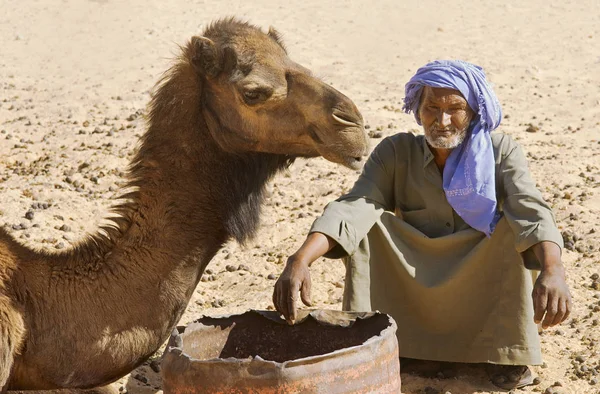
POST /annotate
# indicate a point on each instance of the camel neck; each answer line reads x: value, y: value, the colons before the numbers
x: 189, y: 197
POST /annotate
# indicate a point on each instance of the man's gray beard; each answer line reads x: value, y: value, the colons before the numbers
x: 442, y: 142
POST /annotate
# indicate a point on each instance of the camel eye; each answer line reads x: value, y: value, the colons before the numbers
x: 251, y: 95
x: 255, y: 96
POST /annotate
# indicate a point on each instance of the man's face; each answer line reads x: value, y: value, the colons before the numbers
x: 445, y: 116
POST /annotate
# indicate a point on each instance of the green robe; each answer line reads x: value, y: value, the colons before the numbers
x: 456, y: 295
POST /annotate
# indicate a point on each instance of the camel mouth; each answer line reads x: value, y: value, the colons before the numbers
x: 351, y: 161
x: 354, y: 163
x: 347, y: 146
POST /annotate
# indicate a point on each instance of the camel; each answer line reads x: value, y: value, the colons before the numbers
x: 232, y: 111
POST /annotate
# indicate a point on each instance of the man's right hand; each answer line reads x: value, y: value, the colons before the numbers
x: 294, y: 278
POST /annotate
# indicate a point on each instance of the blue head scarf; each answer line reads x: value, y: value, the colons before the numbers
x: 469, y: 173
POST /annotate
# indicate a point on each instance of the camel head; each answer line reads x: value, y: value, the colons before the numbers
x: 256, y: 99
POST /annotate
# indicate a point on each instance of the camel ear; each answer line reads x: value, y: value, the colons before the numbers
x: 205, y: 56
x: 276, y: 36
x: 209, y: 60
x: 229, y: 60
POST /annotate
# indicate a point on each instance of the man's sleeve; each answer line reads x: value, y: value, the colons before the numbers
x: 529, y: 216
x: 348, y: 219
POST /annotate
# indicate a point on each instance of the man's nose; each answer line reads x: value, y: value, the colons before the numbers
x: 444, y: 119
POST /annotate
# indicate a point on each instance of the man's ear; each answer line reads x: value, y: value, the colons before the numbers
x: 210, y: 60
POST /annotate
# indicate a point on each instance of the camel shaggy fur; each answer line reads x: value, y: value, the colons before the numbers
x: 231, y: 112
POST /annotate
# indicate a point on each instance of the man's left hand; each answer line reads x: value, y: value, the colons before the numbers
x: 551, y: 297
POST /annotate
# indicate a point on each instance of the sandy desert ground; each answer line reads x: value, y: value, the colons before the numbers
x: 75, y: 79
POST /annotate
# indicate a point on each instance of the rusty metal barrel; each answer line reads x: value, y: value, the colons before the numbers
x: 326, y: 351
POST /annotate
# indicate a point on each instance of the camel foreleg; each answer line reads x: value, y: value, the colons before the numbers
x: 12, y: 331
x: 109, y: 389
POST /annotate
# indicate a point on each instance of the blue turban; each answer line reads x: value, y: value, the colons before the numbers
x: 469, y: 173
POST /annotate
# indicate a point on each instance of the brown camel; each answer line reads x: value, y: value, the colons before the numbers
x: 231, y: 113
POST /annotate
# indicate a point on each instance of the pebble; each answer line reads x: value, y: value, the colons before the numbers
x: 65, y: 228
x: 141, y: 378
x: 218, y: 303
x: 59, y: 245
x: 594, y: 277
x: 271, y: 276
x: 29, y: 215
x: 555, y: 390
x: 243, y: 267
x: 155, y: 366
x: 208, y: 271
x: 231, y: 268
x: 375, y: 134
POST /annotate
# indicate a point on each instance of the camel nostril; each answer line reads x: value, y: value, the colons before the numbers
x: 345, y: 119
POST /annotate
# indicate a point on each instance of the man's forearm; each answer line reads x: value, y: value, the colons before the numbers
x: 315, y: 246
x: 549, y: 256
